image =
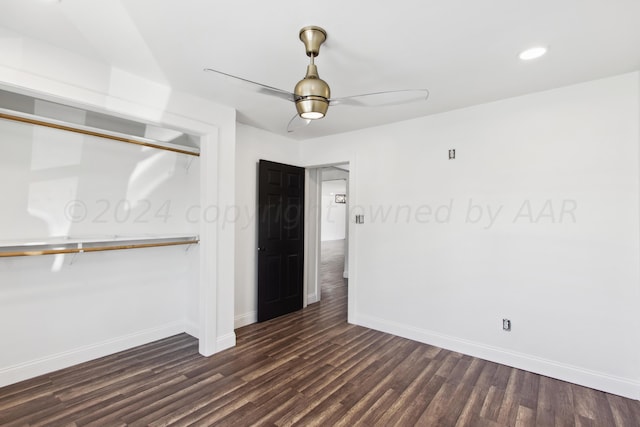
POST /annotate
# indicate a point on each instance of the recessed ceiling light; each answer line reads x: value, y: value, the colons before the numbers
x: 533, y: 53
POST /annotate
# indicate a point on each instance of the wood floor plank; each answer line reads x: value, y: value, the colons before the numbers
x: 526, y: 417
x: 60, y: 416
x: 266, y: 414
x: 492, y: 404
x: 306, y: 368
x: 377, y: 409
x: 367, y: 389
x: 27, y: 409
x: 439, y: 406
x: 511, y: 400
x: 25, y: 390
x: 591, y: 405
x: 564, y: 403
x: 529, y: 390
x: 348, y: 368
x: 407, y: 410
x: 621, y: 411
x: 486, y: 376
x: 23, y: 397
x: 472, y: 407
x: 181, y: 397
x: 545, y: 411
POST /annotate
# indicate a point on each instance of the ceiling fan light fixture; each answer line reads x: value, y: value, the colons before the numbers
x: 312, y: 107
x: 313, y: 115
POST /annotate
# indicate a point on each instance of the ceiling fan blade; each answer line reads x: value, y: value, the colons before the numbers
x: 297, y: 122
x: 259, y: 87
x: 383, y: 99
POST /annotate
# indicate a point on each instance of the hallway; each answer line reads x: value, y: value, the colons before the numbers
x: 332, y: 269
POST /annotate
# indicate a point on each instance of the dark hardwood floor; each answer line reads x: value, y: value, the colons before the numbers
x: 307, y: 368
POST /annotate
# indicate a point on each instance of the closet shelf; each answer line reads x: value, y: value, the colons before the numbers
x: 73, y: 245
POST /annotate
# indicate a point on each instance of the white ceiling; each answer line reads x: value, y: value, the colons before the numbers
x: 464, y: 51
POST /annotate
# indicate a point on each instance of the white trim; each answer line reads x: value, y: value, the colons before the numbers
x: 562, y: 371
x: 245, y: 319
x: 73, y: 96
x: 226, y: 341
x: 207, y: 286
x: 352, y: 242
x: 312, y: 235
x: 54, y: 362
x: 312, y: 298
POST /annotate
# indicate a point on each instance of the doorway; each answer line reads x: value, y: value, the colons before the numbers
x: 333, y: 227
x: 328, y: 231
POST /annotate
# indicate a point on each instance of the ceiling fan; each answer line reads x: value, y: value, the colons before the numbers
x: 312, y: 95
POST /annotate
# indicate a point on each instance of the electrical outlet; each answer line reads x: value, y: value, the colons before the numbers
x: 452, y: 154
x: 506, y: 325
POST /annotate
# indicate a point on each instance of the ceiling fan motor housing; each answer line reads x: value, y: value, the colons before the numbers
x: 312, y: 95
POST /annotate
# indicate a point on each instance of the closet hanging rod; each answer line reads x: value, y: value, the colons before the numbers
x: 80, y: 249
x: 90, y: 132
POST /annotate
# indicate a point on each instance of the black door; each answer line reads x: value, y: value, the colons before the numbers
x: 280, y: 239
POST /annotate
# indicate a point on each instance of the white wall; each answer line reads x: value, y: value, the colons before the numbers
x: 116, y: 300
x: 333, y: 214
x: 252, y: 145
x: 536, y: 221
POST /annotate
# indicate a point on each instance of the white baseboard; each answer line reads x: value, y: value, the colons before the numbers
x: 345, y: 274
x: 44, y: 365
x: 226, y: 341
x: 222, y: 343
x: 312, y: 298
x: 245, y: 319
x: 562, y: 371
